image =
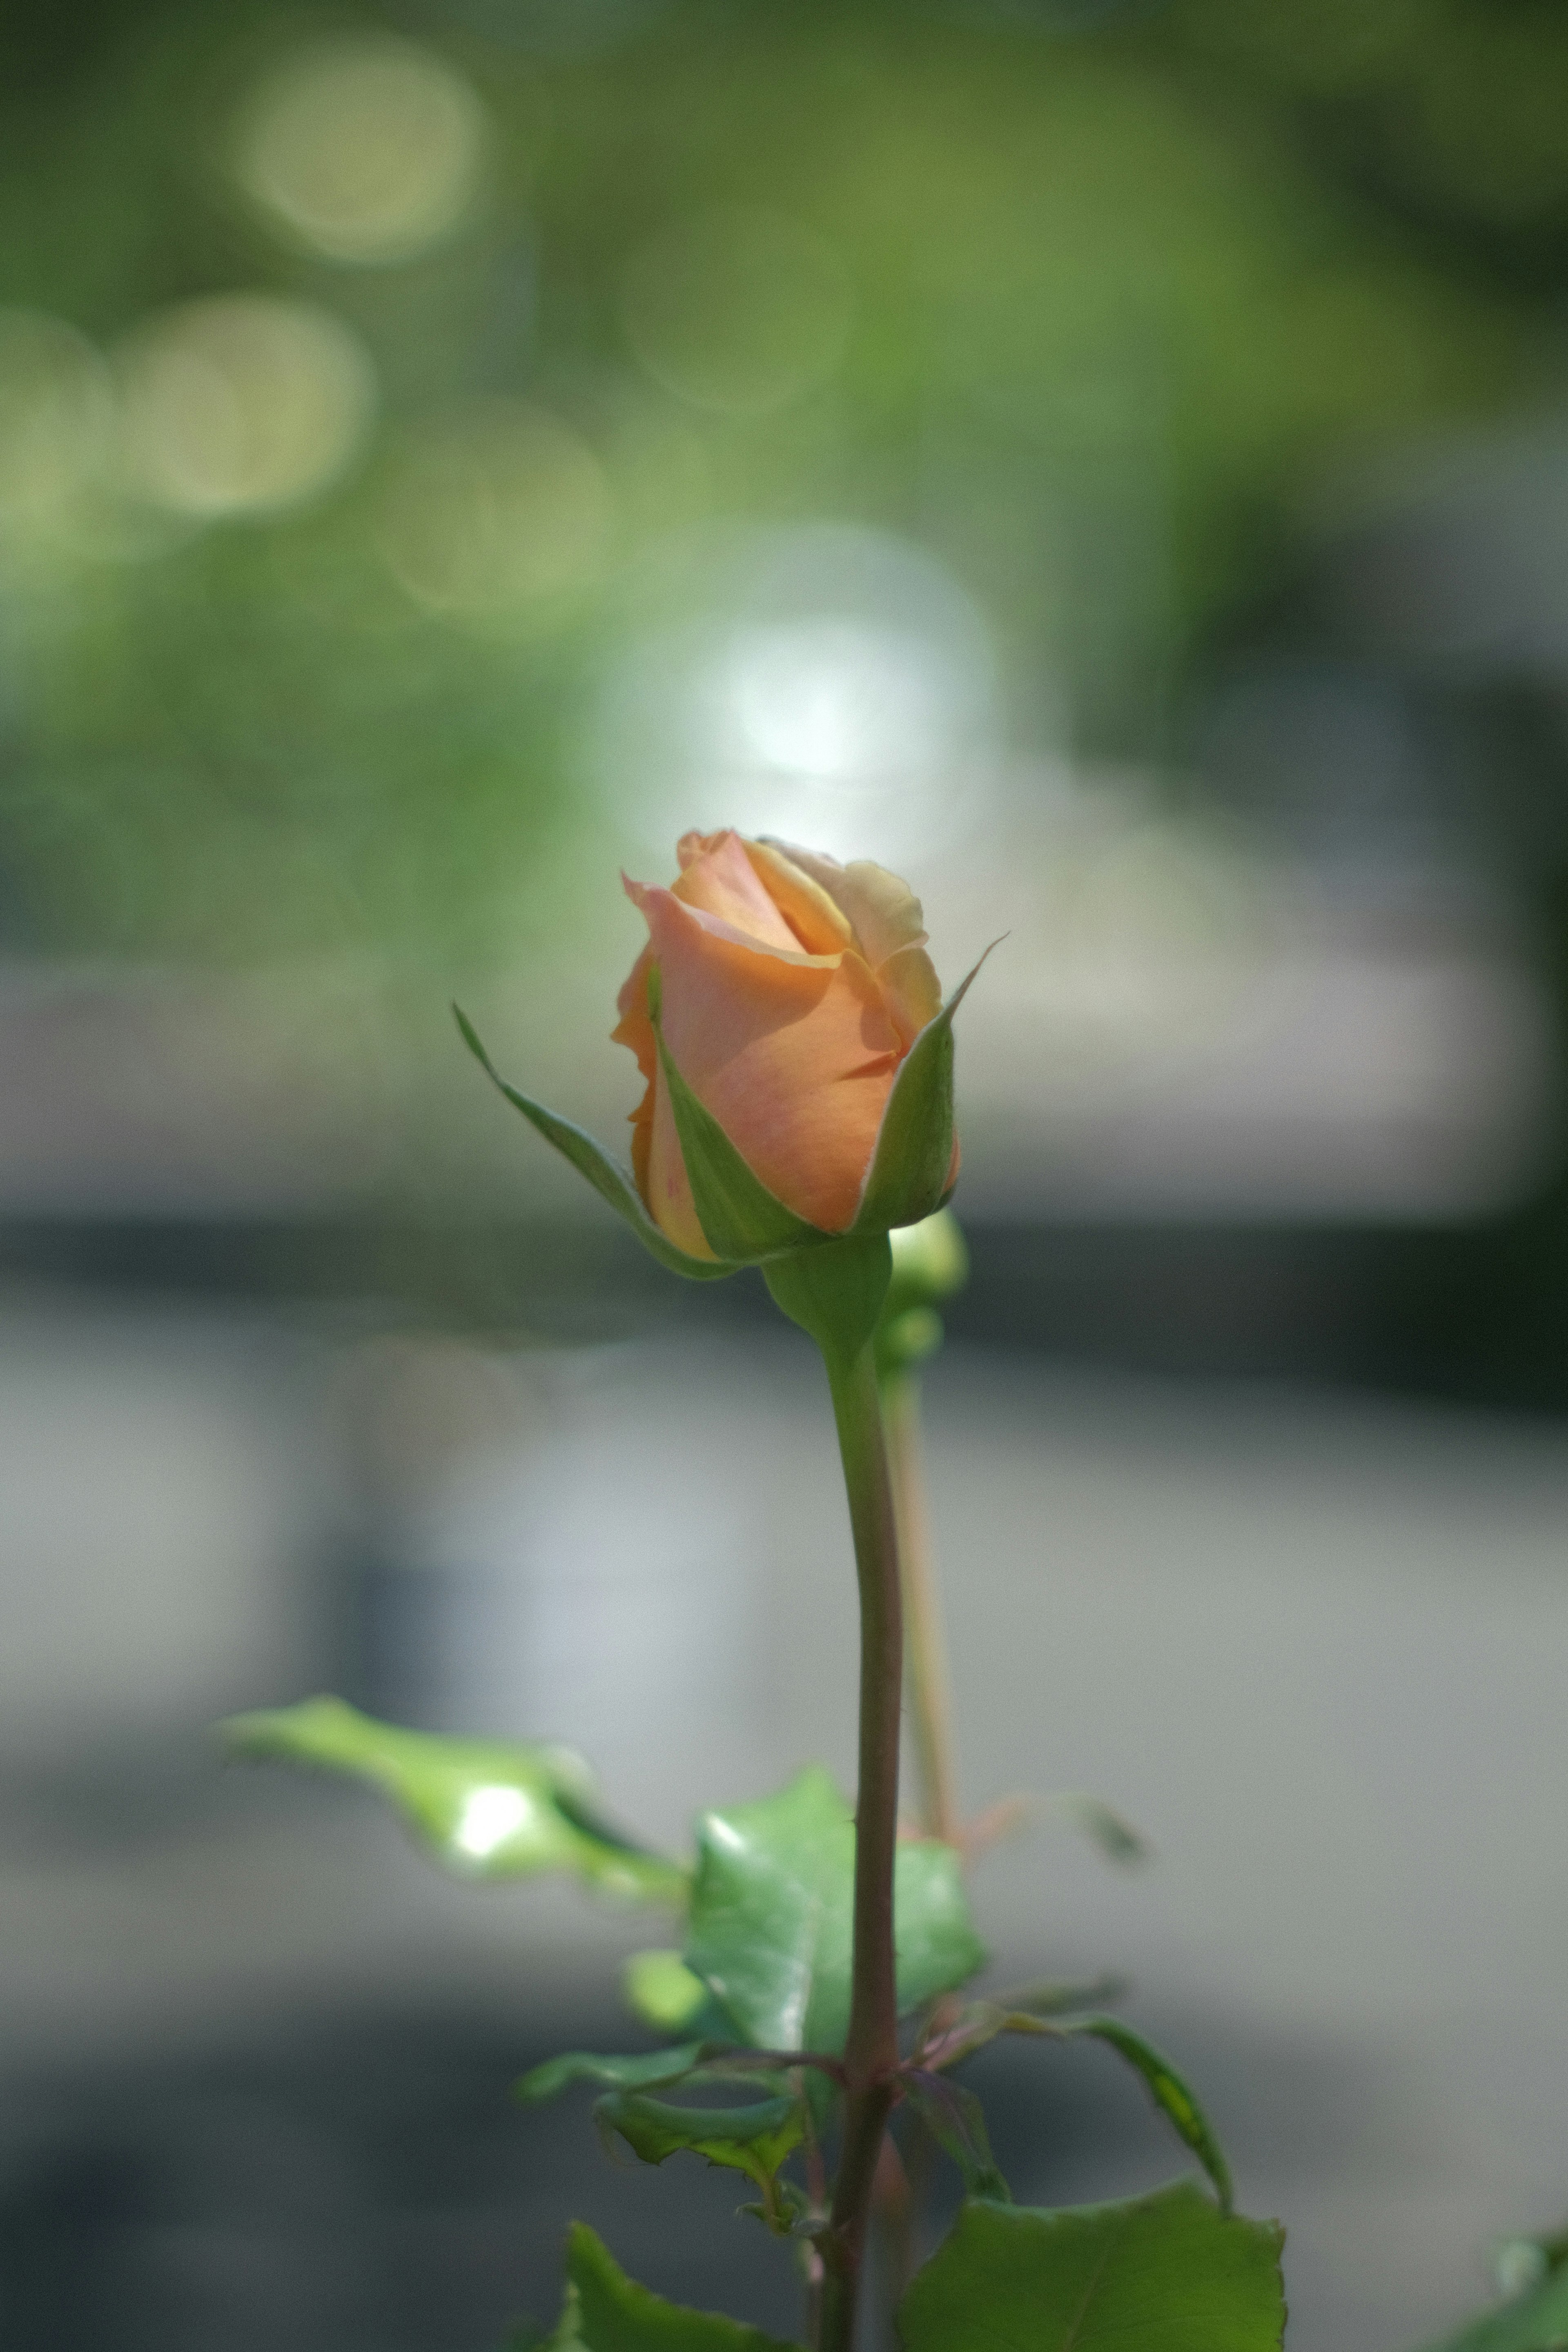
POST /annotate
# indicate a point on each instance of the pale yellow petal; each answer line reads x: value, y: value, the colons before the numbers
x: 884, y: 910
x: 913, y: 991
x: 804, y: 904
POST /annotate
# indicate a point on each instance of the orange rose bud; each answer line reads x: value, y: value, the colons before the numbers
x: 786, y: 991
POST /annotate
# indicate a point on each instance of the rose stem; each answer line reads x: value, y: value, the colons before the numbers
x: 930, y: 1696
x: 929, y: 1690
x: 871, y: 2048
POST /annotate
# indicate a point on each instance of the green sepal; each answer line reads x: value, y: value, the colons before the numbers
x: 752, y: 2140
x: 834, y: 1292
x: 956, y: 2121
x: 484, y: 1807
x: 907, y: 1178
x: 636, y: 2073
x: 609, y: 1179
x: 772, y: 1917
x: 664, y: 1994
x: 608, y: 2312
x: 743, y: 1221
x: 1166, y: 2270
x: 1533, y: 2321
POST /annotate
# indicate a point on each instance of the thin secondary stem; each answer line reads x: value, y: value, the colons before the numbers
x: 930, y: 1691
x: 871, y: 2048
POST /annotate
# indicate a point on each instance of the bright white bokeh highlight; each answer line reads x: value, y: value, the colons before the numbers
x: 490, y: 1816
x: 831, y: 684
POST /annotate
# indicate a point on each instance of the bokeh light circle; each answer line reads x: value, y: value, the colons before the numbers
x: 241, y: 403
x: 498, y: 510
x: 367, y: 147
x: 737, y: 310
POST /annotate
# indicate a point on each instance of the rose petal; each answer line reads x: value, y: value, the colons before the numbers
x: 884, y: 910
x: 718, y: 876
x: 794, y: 1055
x: 804, y: 904
x: 635, y: 1029
x: 908, y: 982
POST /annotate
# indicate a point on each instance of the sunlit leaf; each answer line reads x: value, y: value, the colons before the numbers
x: 664, y: 1994
x: 484, y: 1807
x: 608, y: 1177
x: 772, y: 1917
x: 1161, y: 2274
x: 608, y: 2312
x: 741, y: 1219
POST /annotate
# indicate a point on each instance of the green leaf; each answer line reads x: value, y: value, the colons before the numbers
x: 1170, y: 2094
x: 772, y: 1917
x: 614, y: 2074
x: 1161, y: 2274
x: 664, y: 1994
x: 907, y: 1178
x: 609, y: 1179
x: 567, y: 2335
x: 956, y: 2121
x: 743, y: 1220
x: 608, y: 2312
x: 1536, y: 2321
x: 752, y: 2140
x: 486, y: 1808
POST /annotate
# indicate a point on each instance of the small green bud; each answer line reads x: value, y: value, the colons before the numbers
x: 930, y: 1261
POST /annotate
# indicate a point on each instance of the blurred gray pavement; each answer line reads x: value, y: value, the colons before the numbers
x: 1310, y: 1644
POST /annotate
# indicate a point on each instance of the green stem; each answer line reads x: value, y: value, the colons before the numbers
x: 871, y: 2049
x: 929, y: 1690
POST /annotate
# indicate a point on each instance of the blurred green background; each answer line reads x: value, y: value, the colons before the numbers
x: 369, y: 380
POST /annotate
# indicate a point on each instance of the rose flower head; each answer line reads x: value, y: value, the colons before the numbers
x: 790, y: 991
x: 796, y: 1055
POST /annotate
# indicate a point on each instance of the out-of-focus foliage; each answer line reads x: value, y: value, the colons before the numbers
x: 484, y: 1808
x: 369, y: 383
